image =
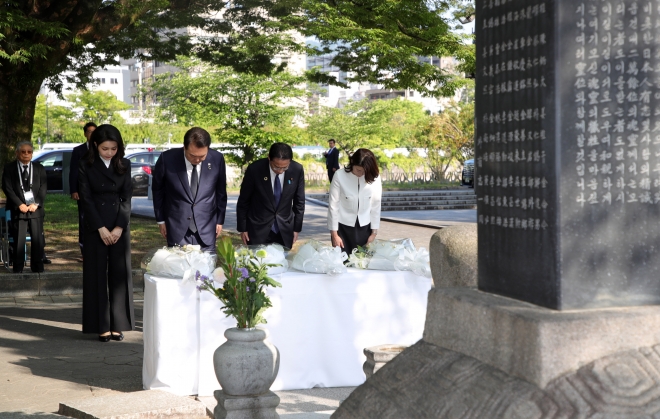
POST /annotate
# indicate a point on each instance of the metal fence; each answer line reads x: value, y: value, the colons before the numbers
x: 320, y: 179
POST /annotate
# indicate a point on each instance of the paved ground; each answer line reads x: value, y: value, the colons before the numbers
x: 45, y: 359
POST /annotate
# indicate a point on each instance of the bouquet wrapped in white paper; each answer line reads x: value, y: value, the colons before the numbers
x: 179, y: 262
x: 385, y: 252
x: 392, y: 255
x: 417, y: 261
x: 274, y: 254
x: 316, y: 257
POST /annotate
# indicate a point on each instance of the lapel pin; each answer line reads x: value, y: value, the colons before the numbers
x: 290, y: 181
x: 265, y: 178
x: 209, y: 166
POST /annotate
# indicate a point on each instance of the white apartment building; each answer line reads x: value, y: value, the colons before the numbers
x: 113, y: 79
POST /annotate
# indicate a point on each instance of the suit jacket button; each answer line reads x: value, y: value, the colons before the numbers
x: 103, y: 184
x: 189, y: 218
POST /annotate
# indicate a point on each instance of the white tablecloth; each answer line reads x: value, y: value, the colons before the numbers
x: 319, y: 323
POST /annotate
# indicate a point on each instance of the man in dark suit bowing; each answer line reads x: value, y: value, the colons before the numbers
x: 24, y: 184
x: 190, y: 192
x: 271, y: 205
x: 331, y: 159
x: 77, y: 155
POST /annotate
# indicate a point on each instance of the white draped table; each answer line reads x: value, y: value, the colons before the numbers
x: 319, y: 323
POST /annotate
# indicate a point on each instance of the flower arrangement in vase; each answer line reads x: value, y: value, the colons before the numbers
x: 244, y: 277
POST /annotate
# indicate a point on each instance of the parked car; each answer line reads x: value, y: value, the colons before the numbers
x: 142, y: 164
x: 468, y: 173
x: 53, y: 162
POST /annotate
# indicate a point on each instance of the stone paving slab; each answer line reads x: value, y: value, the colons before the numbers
x: 31, y: 414
x: 151, y: 404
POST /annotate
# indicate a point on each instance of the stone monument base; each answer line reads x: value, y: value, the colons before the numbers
x: 486, y: 356
x: 244, y: 407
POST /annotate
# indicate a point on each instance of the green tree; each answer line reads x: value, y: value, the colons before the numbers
x: 377, y: 41
x: 247, y: 109
x: 55, y: 123
x: 40, y: 39
x: 369, y: 124
x: 448, y: 137
x: 100, y: 107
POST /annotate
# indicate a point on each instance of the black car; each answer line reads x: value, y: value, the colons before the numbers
x: 53, y: 162
x: 142, y: 164
x: 468, y: 173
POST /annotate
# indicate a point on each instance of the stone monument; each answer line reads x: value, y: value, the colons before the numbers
x: 562, y: 318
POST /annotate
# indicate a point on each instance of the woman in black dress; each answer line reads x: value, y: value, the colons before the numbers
x: 105, y: 190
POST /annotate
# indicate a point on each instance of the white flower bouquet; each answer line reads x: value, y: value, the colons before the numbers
x: 316, y: 257
x: 275, y: 257
x: 179, y: 262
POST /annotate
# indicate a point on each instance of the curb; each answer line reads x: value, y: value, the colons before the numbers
x: 388, y: 219
x: 52, y: 283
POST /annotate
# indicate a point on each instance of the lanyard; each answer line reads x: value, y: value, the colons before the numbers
x: 20, y: 173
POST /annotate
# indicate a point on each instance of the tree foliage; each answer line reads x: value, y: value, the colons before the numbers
x: 369, y: 124
x: 377, y: 41
x: 448, y: 137
x: 100, y: 107
x: 40, y: 39
x: 247, y: 109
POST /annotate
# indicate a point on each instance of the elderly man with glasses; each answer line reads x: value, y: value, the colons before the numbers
x: 271, y: 205
x: 24, y: 185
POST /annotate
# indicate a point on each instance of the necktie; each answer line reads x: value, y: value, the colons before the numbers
x: 194, y: 182
x: 25, y: 178
x: 277, y: 193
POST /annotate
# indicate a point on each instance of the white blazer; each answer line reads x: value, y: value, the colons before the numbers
x: 346, y: 204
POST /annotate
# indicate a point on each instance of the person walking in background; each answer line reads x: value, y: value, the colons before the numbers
x: 189, y: 187
x: 77, y: 155
x: 354, y: 204
x: 24, y: 185
x: 105, y: 190
x: 271, y: 204
x: 331, y: 159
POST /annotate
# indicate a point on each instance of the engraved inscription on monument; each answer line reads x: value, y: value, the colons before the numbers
x: 568, y: 151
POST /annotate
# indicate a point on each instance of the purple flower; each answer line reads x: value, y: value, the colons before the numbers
x: 240, y: 279
x: 252, y: 280
x: 244, y: 272
x: 197, y: 275
x: 247, y: 289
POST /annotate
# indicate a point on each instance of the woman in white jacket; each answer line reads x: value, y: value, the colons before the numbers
x: 354, y: 208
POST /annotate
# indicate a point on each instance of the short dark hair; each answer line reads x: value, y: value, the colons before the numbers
x: 332, y: 139
x: 365, y: 159
x: 103, y: 133
x: 280, y: 151
x: 87, y: 125
x: 198, y: 136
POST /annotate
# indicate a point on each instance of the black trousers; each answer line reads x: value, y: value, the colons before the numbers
x: 107, y: 285
x: 81, y: 226
x: 353, y: 236
x: 19, y: 230
x: 331, y: 174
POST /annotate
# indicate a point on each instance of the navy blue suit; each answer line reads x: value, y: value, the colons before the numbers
x: 173, y: 202
x: 332, y: 162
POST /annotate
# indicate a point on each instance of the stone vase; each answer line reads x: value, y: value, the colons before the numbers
x: 247, y: 364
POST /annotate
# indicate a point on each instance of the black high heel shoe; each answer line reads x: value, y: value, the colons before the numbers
x: 118, y: 337
x: 105, y: 338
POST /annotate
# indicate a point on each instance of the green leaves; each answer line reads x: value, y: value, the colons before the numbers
x: 246, y: 109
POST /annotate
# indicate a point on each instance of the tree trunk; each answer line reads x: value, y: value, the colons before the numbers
x: 18, y: 99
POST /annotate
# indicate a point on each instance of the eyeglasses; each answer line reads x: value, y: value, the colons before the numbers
x: 279, y: 169
x: 25, y: 151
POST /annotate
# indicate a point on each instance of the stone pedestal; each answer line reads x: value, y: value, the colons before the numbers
x: 242, y: 407
x: 487, y: 356
x: 378, y: 356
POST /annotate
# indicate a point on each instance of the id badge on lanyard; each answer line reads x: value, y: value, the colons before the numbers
x: 29, y: 198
